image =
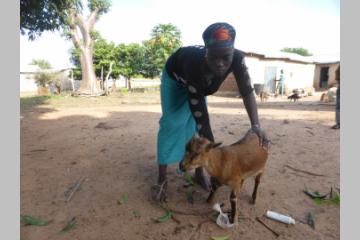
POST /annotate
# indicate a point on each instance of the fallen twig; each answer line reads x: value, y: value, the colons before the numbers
x: 304, y: 171
x: 310, y: 132
x: 175, y: 219
x: 38, y: 150
x: 70, y: 192
x: 265, y: 225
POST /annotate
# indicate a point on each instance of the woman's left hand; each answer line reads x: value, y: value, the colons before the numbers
x: 263, y: 139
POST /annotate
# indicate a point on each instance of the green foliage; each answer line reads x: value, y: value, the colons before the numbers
x: 102, y: 5
x: 43, y: 79
x: 37, y: 16
x: 29, y: 220
x: 300, y: 51
x: 70, y: 225
x: 130, y: 59
x: 41, y: 63
x: 124, y: 198
x: 136, y: 213
x: 335, y: 199
x: 27, y: 102
x: 164, y: 218
x: 165, y: 40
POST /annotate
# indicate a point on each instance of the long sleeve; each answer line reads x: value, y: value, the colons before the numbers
x: 199, y: 111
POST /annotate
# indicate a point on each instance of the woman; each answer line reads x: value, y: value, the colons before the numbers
x: 337, y: 107
x: 191, y: 74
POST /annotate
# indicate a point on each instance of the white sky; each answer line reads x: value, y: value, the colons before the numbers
x: 261, y: 25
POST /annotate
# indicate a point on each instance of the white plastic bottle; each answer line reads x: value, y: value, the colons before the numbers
x: 279, y: 217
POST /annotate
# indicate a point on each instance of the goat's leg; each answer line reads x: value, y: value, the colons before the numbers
x: 233, y: 199
x: 215, y: 184
x: 257, y: 181
x: 233, y: 213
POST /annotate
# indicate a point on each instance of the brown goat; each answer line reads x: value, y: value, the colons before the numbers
x: 263, y: 96
x: 229, y: 165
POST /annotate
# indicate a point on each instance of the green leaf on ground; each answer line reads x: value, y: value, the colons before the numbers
x: 314, y: 194
x: 310, y: 220
x: 334, y: 200
x: 29, y: 220
x: 70, y: 225
x: 189, y: 178
x: 136, y: 213
x: 220, y: 238
x: 164, y: 218
x: 124, y: 198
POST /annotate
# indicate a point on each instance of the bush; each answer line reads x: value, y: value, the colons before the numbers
x: 44, y: 79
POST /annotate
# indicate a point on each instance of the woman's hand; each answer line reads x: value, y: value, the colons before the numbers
x: 263, y: 139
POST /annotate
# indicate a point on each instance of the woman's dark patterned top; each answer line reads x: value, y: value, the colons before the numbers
x: 187, y: 65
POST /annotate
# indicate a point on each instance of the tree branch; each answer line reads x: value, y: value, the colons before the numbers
x: 92, y: 18
x: 82, y: 24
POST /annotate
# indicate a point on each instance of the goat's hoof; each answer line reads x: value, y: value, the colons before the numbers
x: 253, y: 201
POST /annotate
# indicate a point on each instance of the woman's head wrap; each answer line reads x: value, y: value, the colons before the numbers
x: 219, y: 34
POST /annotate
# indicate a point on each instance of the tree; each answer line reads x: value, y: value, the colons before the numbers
x: 41, y: 63
x: 300, y: 51
x: 40, y: 15
x: 131, y: 61
x: 79, y: 29
x: 37, y: 16
x: 165, y: 39
x: 104, y: 56
x: 45, y: 77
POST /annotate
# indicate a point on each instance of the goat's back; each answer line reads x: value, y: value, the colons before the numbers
x: 245, y: 157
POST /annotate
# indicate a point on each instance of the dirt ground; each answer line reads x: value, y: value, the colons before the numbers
x: 112, y: 144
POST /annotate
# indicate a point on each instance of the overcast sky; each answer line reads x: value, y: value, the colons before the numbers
x: 261, y: 25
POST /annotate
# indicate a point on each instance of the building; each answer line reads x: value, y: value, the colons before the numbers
x: 299, y: 71
x: 28, y: 83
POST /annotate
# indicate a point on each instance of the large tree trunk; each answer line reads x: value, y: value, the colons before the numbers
x: 128, y: 80
x: 85, y: 44
x: 88, y: 84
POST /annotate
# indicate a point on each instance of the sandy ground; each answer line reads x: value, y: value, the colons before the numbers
x: 114, y: 147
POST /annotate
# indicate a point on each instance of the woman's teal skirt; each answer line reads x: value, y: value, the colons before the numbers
x: 177, y: 124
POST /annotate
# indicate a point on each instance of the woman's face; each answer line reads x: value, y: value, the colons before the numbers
x: 219, y: 60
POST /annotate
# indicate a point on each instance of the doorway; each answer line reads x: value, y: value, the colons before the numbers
x: 270, y: 77
x: 324, y: 77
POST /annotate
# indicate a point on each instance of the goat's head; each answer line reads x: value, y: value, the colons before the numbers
x: 196, y: 152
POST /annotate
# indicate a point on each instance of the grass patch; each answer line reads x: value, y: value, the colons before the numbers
x: 335, y: 199
x: 34, y: 101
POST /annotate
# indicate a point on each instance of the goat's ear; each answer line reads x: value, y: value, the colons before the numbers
x: 212, y: 145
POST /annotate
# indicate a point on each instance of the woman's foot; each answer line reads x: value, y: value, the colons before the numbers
x: 202, y: 179
x: 336, y: 126
x: 159, y: 192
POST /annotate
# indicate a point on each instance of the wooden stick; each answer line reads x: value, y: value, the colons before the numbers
x: 175, y: 219
x: 271, y: 230
x: 310, y: 132
x: 38, y: 150
x: 303, y: 171
x: 75, y: 188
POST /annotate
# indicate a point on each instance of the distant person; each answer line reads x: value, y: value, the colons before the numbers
x: 281, y: 83
x: 337, y: 108
x: 191, y: 74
